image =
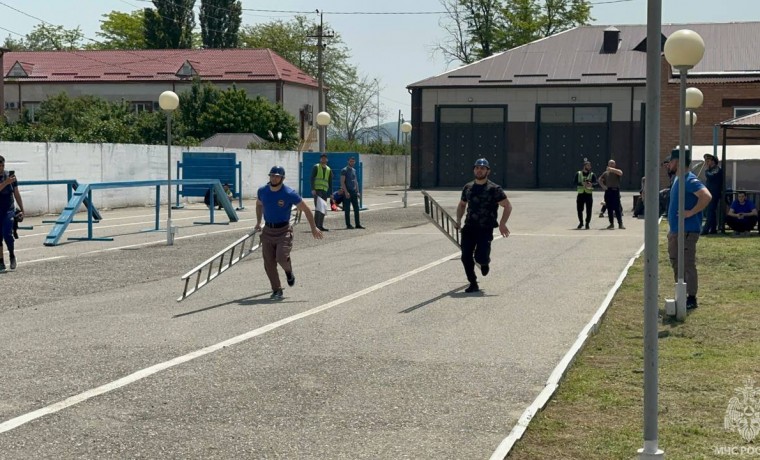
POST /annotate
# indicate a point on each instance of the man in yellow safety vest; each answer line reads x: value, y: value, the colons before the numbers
x: 321, y: 190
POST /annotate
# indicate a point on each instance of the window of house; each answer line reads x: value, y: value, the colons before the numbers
x: 31, y: 109
x: 141, y: 106
x: 742, y: 111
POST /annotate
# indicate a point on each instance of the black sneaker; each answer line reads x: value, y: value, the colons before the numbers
x: 484, y: 269
x: 621, y: 227
x: 611, y: 227
x: 349, y: 227
x: 2, y: 265
x: 691, y: 302
x: 360, y: 227
x: 13, y: 262
x: 587, y: 227
x: 473, y: 288
x: 322, y: 229
x: 580, y: 226
x: 276, y: 295
x: 291, y: 278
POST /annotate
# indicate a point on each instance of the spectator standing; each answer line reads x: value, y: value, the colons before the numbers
x: 349, y: 184
x: 584, y: 183
x: 9, y: 196
x: 321, y: 189
x: 610, y: 182
x: 714, y: 183
x: 697, y: 199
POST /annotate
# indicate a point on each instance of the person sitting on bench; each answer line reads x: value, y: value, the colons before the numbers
x: 742, y: 215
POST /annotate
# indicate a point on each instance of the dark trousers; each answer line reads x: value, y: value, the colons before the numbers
x: 475, y: 241
x: 347, y: 203
x: 276, y: 244
x: 587, y: 200
x: 6, y: 230
x: 711, y: 226
x: 744, y: 224
x: 614, y: 207
x: 690, y: 275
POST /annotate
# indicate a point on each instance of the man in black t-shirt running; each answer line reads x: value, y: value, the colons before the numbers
x: 481, y: 198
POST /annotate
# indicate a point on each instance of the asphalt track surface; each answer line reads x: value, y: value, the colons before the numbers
x: 376, y: 352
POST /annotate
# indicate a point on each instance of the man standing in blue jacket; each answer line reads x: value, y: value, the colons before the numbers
x: 697, y: 199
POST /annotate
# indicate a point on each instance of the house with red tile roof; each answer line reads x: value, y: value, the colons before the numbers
x: 140, y: 76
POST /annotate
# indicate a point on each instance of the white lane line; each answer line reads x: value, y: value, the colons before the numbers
x: 147, y: 372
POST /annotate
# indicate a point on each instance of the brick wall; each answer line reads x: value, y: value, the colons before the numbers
x: 712, y: 112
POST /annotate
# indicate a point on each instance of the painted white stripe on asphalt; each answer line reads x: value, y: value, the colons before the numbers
x: 147, y: 372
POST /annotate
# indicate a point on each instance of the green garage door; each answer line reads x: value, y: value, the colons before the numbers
x: 567, y: 135
x: 466, y: 134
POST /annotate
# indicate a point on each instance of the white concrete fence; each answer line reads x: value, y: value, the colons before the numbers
x: 91, y: 163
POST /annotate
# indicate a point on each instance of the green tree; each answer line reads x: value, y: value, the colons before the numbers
x: 559, y: 15
x: 291, y: 41
x: 479, y: 28
x: 193, y: 104
x: 170, y: 25
x: 220, y: 23
x: 13, y: 44
x: 121, y: 31
x: 524, y: 28
x: 48, y: 37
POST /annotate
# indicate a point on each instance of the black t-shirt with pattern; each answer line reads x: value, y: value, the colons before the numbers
x: 482, y: 203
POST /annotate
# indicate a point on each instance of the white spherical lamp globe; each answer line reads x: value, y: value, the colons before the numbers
x: 684, y: 48
x: 694, y: 98
x: 323, y: 118
x: 168, y: 100
x: 406, y: 127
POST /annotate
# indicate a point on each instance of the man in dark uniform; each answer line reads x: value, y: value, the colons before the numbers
x: 8, y: 214
x: 584, y: 183
x: 275, y: 201
x: 610, y: 182
x: 714, y: 183
x: 481, y: 198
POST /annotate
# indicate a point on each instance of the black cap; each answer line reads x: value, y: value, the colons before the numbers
x: 710, y: 156
x: 323, y: 155
x: 675, y: 153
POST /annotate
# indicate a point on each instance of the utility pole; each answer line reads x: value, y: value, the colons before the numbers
x: 320, y: 76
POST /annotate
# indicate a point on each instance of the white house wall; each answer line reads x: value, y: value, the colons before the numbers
x: 522, y: 101
x: 93, y: 163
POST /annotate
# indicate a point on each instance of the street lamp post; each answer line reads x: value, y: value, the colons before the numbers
x: 683, y: 50
x: 168, y: 101
x: 406, y: 128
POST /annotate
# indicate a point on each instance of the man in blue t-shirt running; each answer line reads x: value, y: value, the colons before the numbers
x: 697, y: 199
x: 275, y: 201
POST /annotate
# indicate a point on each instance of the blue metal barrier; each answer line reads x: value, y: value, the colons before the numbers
x: 83, y: 194
x: 210, y: 165
x: 71, y: 185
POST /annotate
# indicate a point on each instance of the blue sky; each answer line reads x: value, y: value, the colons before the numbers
x: 395, y: 48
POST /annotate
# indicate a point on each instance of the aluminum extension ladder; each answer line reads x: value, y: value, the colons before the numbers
x: 442, y: 219
x: 223, y: 261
